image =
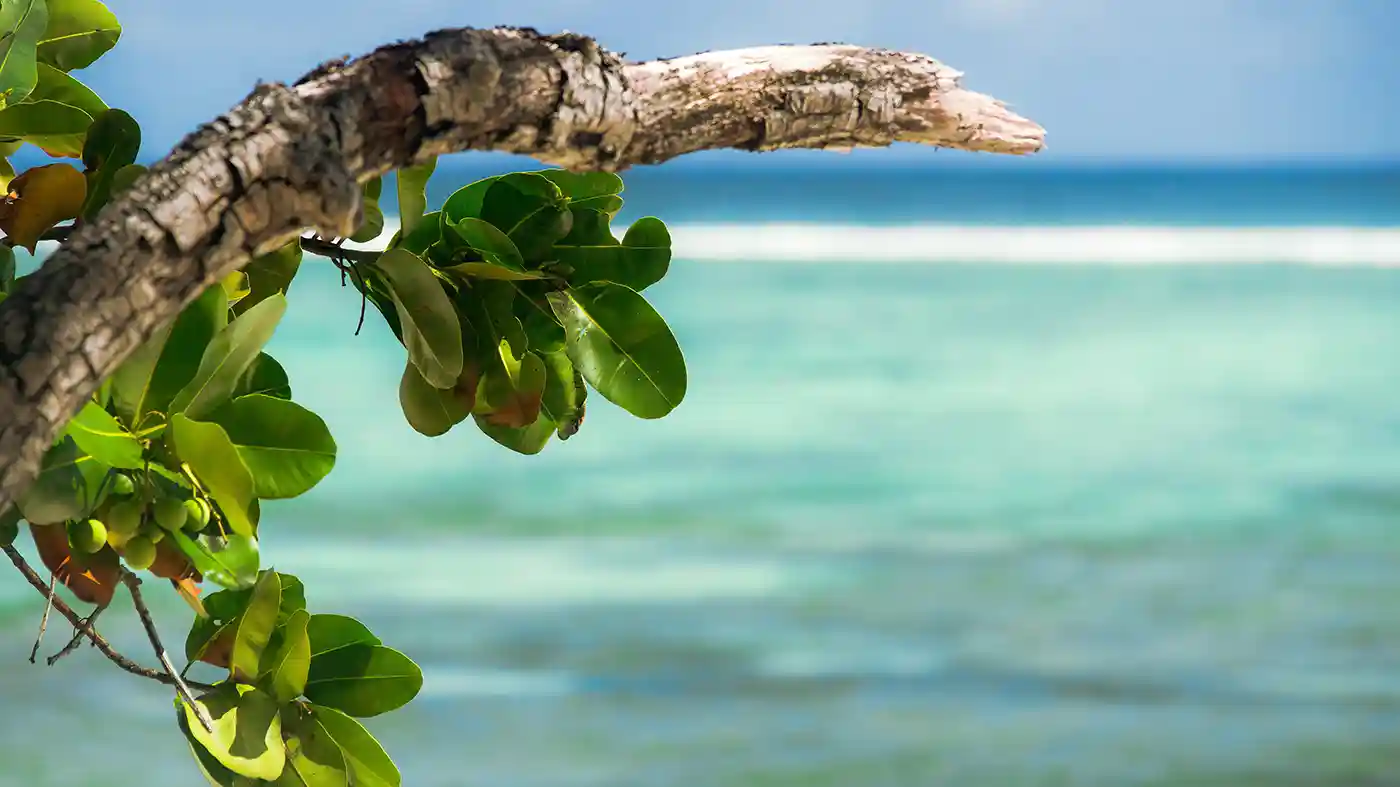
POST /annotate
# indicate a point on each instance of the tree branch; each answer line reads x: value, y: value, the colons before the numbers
x: 292, y: 158
x: 83, y: 626
x: 133, y: 584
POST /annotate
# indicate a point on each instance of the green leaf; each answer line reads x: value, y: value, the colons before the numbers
x: 500, y: 258
x: 588, y: 190
x: 22, y: 23
x: 373, y: 223
x: 563, y: 397
x: 543, y: 333
x: 264, y: 376
x: 528, y: 440
x: 112, y: 143
x: 363, y: 680
x: 236, y: 287
x: 78, y: 32
x: 7, y: 268
x: 69, y: 486
x: 412, y: 184
x: 247, y: 736
x: 227, y: 357
x: 213, y: 770
x: 100, y: 436
x: 124, y: 177
x: 255, y: 627
x: 313, y: 758
x: 622, y: 347
x: 465, y: 203
x: 433, y: 411
x: 369, y: 763
x: 431, y: 330
x: 498, y: 298
x: 329, y: 633
x: 530, y: 210
x: 293, y: 659
x: 150, y: 377
x: 211, y: 454
x: 286, y: 447
x: 58, y: 128
x: 293, y: 598
x: 60, y: 86
x: 425, y: 233
x: 270, y: 274
x: 228, y: 561
x: 640, y: 261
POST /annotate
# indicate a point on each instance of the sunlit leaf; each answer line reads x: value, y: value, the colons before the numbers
x: 255, y: 627
x: 22, y: 23
x: 622, y: 347
x: 411, y: 184
x: 431, y: 330
x: 369, y: 763
x: 150, y: 377
x: 329, y: 633
x: 42, y: 197
x: 270, y: 274
x: 78, y: 32
x: 60, y: 86
x: 102, y: 437
x: 247, y: 736
x: 230, y: 561
x: 285, y: 447
x: 264, y: 376
x: 57, y: 128
x: 227, y: 357
x: 363, y: 680
x: 209, y: 451
x: 70, y: 485
x: 287, y: 673
x: 639, y: 261
x: 313, y: 757
x: 588, y: 190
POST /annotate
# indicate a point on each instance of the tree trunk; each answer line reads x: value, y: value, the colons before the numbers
x: 289, y: 159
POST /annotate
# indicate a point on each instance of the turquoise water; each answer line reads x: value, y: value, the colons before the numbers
x: 1006, y: 523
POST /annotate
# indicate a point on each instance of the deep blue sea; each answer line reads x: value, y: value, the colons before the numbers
x: 985, y: 476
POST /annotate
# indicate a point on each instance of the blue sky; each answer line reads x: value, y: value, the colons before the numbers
x: 1186, y: 80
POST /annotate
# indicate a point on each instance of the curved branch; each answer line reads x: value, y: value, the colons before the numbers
x: 289, y: 159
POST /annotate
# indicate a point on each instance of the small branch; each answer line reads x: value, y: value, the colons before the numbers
x: 77, y: 639
x: 133, y: 584
x: 313, y: 245
x: 81, y: 625
x: 43, y: 621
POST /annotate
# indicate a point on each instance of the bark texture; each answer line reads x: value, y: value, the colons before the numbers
x: 289, y: 159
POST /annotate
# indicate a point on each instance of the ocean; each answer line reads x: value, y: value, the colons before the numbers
x: 985, y: 476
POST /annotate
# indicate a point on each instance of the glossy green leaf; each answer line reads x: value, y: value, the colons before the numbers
x: 150, y: 377
x: 100, y: 436
x: 113, y: 142
x: 588, y: 190
x: 411, y: 183
x: 497, y: 299
x: 78, y: 32
x: 425, y: 233
x: 563, y: 396
x: 369, y: 763
x: 373, y: 223
x: 293, y: 658
x: 329, y: 633
x: 69, y: 486
x: 264, y: 376
x: 512, y: 390
x: 227, y: 357
x: 640, y: 260
x: 213, y: 770
x: 58, y: 128
x: 293, y: 597
x: 236, y: 287
x: 313, y: 758
x: 499, y: 257
x: 528, y: 440
x: 431, y: 330
x: 286, y: 447
x: 247, y: 736
x: 22, y: 23
x: 363, y: 680
x: 530, y: 210
x: 622, y: 347
x: 211, y: 454
x: 255, y: 627
x: 465, y: 202
x: 433, y: 411
x: 230, y: 561
x: 543, y: 333
x: 60, y: 86
x: 270, y: 274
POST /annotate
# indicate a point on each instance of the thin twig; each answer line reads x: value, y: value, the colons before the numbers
x: 74, y: 618
x: 317, y: 246
x: 363, y: 287
x: 133, y: 584
x: 77, y: 639
x: 44, y: 621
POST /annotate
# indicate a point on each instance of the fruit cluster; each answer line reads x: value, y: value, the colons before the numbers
x: 134, y: 518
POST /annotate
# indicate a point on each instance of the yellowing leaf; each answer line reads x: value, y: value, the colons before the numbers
x: 39, y: 199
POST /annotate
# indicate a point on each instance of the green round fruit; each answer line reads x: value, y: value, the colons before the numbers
x: 88, y: 536
x: 117, y: 540
x: 197, y: 512
x: 122, y: 485
x: 155, y: 535
x: 140, y: 553
x: 125, y: 517
x: 170, y: 513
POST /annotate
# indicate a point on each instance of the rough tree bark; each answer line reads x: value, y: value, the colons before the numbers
x: 289, y: 159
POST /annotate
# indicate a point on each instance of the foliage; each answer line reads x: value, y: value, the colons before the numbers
x: 510, y: 300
